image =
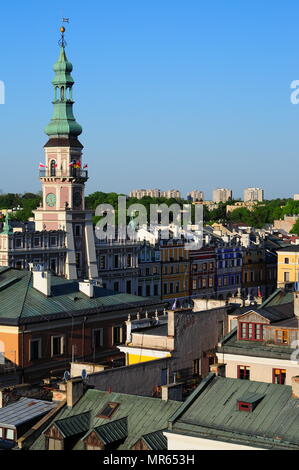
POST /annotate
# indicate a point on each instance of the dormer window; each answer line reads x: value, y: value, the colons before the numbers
x: 251, y: 331
x: 249, y: 403
x: 244, y: 406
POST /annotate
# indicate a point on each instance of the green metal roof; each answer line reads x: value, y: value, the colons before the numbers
x: 113, y: 431
x: 213, y: 414
x: 144, y: 415
x: 155, y: 440
x: 21, y: 303
x: 74, y: 424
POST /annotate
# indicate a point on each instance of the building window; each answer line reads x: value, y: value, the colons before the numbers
x: 279, y: 376
x: 129, y: 287
x: 286, y: 277
x: 196, y: 367
x: 140, y: 291
x: 129, y: 260
x: 116, y: 261
x: 78, y: 260
x: 117, y: 335
x: 55, y: 444
x: 282, y: 336
x: 148, y: 291
x: 53, y: 241
x: 18, y: 242
x: 194, y: 284
x: 35, y: 349
x: 36, y: 241
x: 211, y: 282
x: 53, y: 168
x: 286, y: 261
x: 244, y: 372
x: 156, y: 292
x: 165, y: 288
x: 204, y: 283
x: 78, y: 230
x: 10, y: 434
x: 57, y: 345
x: 220, y: 282
x: 102, y: 262
x: 116, y: 286
x: 98, y: 338
x: 251, y: 331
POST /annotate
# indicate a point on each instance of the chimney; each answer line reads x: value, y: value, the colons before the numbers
x: 170, y: 323
x: 42, y: 281
x: 87, y: 288
x: 296, y: 299
x: 129, y: 330
x: 74, y: 391
x: 172, y: 392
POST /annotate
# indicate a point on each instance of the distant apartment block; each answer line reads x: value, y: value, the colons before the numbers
x: 296, y: 197
x: 171, y: 193
x: 253, y: 194
x: 195, y: 196
x: 140, y: 193
x: 222, y: 195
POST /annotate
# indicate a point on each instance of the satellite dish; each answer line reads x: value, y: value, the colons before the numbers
x: 66, y: 376
x: 84, y: 374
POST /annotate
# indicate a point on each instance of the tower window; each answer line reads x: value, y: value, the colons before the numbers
x: 53, y: 168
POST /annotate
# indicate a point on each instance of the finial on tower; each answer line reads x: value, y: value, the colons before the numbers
x: 62, y: 42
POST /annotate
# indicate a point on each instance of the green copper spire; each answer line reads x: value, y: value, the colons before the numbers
x: 63, y: 122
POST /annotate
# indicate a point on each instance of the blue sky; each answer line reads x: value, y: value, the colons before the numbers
x: 171, y: 94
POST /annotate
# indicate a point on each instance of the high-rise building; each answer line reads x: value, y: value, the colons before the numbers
x: 171, y: 193
x: 195, y: 196
x: 140, y: 193
x: 253, y: 194
x: 222, y: 195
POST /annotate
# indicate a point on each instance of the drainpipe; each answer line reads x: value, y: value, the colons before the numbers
x: 83, y: 338
x: 23, y: 329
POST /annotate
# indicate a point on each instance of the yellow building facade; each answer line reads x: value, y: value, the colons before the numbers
x: 287, y: 265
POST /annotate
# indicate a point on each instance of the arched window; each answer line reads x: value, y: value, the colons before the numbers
x: 62, y: 93
x: 53, y: 168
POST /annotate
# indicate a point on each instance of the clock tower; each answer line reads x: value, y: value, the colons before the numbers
x: 63, y: 178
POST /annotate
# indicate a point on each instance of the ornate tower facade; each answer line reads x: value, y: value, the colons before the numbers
x: 63, y: 178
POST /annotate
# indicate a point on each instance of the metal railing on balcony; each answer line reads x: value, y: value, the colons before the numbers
x: 69, y: 173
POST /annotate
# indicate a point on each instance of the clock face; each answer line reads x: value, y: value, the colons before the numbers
x: 77, y: 199
x: 51, y: 200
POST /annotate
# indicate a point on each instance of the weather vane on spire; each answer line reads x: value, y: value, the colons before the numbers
x: 62, y: 41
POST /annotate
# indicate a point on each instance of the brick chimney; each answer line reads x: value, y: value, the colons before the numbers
x: 74, y: 391
x: 295, y: 386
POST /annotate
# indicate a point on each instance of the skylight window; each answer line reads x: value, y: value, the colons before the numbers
x: 108, y: 410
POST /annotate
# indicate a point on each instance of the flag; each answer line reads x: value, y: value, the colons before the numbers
x: 72, y: 163
x: 85, y: 166
x: 41, y: 165
x: 174, y: 305
x: 259, y: 292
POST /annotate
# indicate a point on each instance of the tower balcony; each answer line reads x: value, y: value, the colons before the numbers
x: 73, y: 173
